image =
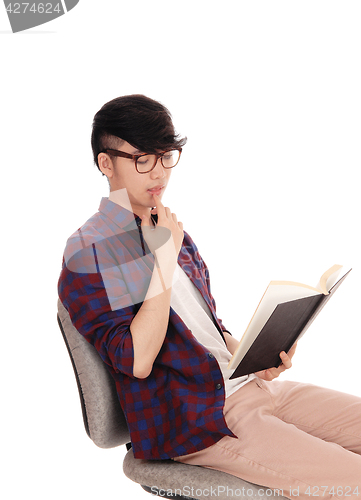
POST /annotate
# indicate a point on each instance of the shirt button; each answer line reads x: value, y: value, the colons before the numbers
x: 219, y: 386
x: 210, y: 355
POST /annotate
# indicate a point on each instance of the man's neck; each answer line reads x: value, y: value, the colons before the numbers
x: 120, y: 197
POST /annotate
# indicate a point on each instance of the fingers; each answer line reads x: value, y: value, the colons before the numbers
x: 180, y: 224
x: 286, y: 361
x: 292, y: 351
x: 162, y: 211
x: 159, y: 207
x: 145, y: 220
x: 273, y: 373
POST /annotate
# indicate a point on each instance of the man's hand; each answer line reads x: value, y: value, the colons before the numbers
x: 167, y: 237
x: 272, y: 373
x: 149, y: 325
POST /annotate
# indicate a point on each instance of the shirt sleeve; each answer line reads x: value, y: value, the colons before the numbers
x: 88, y: 300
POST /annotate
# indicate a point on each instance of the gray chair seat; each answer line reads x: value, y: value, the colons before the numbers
x: 106, y: 426
x: 184, y: 479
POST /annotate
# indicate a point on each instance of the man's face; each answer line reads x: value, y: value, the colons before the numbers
x: 140, y: 187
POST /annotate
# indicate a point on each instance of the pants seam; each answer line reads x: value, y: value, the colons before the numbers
x: 271, y: 470
x: 264, y: 389
x: 295, y: 422
x: 274, y: 413
x: 260, y: 465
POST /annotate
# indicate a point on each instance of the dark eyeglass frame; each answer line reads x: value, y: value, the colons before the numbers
x: 116, y: 152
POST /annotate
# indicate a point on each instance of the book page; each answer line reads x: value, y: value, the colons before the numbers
x: 329, y: 278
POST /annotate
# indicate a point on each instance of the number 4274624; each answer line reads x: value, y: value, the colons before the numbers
x: 35, y: 8
x: 339, y: 491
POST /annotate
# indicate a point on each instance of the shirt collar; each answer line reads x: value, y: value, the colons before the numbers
x: 122, y: 217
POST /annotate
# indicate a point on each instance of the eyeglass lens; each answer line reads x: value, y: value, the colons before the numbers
x: 147, y: 162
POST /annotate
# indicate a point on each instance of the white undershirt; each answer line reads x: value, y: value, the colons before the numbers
x: 188, y: 303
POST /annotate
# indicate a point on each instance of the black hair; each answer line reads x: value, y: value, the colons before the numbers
x: 142, y: 122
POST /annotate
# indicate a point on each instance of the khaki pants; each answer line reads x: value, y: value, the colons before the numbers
x: 297, y: 438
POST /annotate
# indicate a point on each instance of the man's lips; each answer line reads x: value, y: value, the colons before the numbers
x: 156, y: 189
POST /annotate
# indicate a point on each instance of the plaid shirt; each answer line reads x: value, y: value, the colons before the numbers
x: 107, y: 266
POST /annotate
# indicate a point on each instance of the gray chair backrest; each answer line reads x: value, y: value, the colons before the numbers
x: 103, y: 416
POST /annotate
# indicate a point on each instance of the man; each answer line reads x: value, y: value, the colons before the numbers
x: 137, y: 288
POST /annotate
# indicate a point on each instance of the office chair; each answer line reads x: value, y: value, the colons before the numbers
x: 106, y: 426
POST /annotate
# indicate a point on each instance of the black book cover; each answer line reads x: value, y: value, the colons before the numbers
x: 285, y: 325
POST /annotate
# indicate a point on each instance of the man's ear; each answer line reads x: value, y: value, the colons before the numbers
x: 105, y: 165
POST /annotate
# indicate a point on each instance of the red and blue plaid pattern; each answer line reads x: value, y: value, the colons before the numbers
x: 178, y: 408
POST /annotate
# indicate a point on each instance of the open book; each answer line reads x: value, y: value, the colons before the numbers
x: 283, y: 315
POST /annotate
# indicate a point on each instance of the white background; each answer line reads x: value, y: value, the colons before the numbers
x: 268, y: 94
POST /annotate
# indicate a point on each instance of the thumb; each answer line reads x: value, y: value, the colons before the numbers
x: 145, y: 220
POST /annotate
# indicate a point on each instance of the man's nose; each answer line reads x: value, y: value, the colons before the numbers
x: 158, y: 171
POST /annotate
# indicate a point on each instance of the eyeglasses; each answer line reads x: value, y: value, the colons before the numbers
x: 145, y: 163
